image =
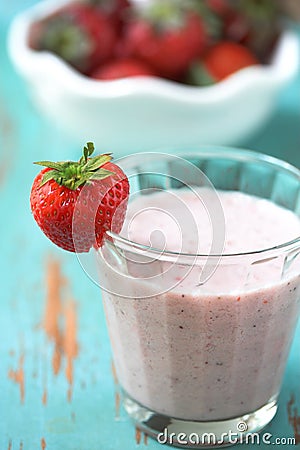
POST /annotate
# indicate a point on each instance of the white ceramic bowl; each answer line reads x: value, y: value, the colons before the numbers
x: 135, y: 114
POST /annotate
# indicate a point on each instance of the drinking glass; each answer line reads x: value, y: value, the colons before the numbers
x: 200, y: 341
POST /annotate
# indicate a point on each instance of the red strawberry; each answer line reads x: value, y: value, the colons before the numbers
x: 222, y: 60
x: 79, y: 33
x: 75, y: 203
x: 167, y: 36
x: 122, y: 68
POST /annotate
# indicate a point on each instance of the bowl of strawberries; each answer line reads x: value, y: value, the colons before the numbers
x: 139, y: 75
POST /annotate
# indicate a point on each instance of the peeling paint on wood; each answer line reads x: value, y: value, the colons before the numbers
x: 70, y: 343
x: 45, y: 397
x: 60, y: 322
x: 138, y: 435
x: 117, y: 405
x: 54, y: 284
x: 145, y: 439
x: 18, y: 377
x: 294, y: 418
x: 114, y: 373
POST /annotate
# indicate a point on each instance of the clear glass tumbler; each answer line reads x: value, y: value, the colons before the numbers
x: 202, y: 359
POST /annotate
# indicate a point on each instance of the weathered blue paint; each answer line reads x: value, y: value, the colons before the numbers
x: 41, y: 416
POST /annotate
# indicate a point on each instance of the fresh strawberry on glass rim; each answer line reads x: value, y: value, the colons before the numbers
x: 76, y: 203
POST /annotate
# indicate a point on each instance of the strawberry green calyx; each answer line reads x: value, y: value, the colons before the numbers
x: 73, y: 174
x: 172, y: 15
x: 65, y: 39
x: 257, y: 9
x: 198, y: 75
x: 163, y: 14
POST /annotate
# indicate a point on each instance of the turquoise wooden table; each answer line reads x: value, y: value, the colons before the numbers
x: 58, y: 387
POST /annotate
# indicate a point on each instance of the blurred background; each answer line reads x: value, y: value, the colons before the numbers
x: 248, y: 110
x: 44, y: 405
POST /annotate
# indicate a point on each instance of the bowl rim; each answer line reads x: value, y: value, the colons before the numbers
x: 35, y: 64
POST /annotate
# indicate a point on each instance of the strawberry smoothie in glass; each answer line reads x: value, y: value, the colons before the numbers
x: 202, y: 292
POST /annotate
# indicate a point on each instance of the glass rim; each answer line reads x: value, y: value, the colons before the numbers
x: 226, y: 152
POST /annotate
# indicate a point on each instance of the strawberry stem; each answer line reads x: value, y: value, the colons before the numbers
x: 73, y: 174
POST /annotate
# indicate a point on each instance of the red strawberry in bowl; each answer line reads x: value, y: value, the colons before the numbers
x: 167, y: 35
x: 122, y: 68
x: 221, y: 60
x: 76, y: 203
x: 79, y: 33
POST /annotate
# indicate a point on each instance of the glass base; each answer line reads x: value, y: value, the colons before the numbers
x: 195, y: 434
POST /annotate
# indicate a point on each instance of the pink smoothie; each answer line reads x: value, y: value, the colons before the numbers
x: 203, y: 351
